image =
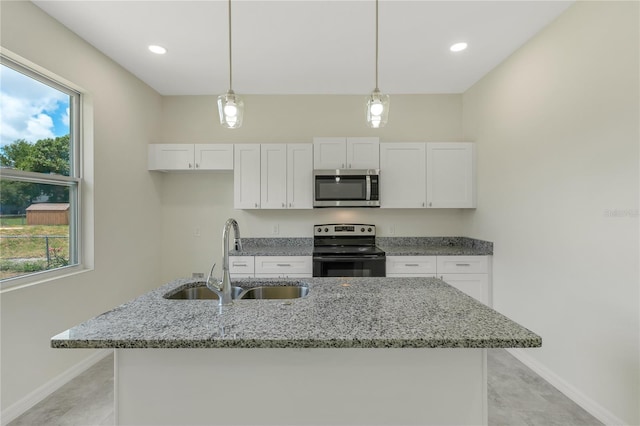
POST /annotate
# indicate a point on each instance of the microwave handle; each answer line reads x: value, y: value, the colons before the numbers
x: 368, y: 188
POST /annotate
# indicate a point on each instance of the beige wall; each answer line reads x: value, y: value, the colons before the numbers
x: 557, y: 132
x: 205, y: 201
x: 126, y: 205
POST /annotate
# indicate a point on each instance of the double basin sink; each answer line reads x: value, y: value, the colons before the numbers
x: 202, y: 292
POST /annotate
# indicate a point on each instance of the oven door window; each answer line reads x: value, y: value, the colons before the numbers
x: 349, y: 268
x: 346, y: 188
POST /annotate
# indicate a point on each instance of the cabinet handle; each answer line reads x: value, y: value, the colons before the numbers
x: 239, y: 264
x: 430, y: 204
x: 290, y: 204
x: 349, y: 165
x: 197, y: 166
x: 256, y: 204
x: 190, y: 166
x: 463, y: 264
x: 423, y: 205
x: 342, y: 165
x: 284, y: 205
x: 283, y: 264
x: 411, y: 264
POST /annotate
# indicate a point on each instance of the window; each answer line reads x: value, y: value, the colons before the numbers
x: 40, y: 173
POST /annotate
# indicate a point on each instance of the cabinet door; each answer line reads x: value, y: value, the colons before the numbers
x: 403, y: 175
x: 246, y: 176
x: 273, y: 176
x: 170, y: 157
x: 451, y: 175
x: 300, y: 176
x: 475, y: 285
x: 363, y: 153
x: 213, y: 156
x: 329, y: 153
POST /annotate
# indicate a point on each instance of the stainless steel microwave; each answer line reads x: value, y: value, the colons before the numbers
x: 346, y: 188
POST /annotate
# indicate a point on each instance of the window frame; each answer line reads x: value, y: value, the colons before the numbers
x: 76, y: 169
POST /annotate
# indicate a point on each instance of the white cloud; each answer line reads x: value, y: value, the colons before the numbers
x: 27, y: 107
x: 65, y: 117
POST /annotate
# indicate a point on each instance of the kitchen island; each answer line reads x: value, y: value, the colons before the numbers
x: 354, y: 351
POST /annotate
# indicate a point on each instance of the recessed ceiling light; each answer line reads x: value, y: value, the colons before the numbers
x: 458, y: 47
x: 159, y: 50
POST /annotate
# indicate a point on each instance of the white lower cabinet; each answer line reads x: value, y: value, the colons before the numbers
x: 475, y: 285
x: 271, y: 266
x: 411, y: 266
x: 241, y: 266
x: 469, y: 274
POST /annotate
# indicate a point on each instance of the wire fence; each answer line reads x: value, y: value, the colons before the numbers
x: 54, y: 248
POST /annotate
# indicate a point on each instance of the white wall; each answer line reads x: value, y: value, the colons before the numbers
x: 126, y: 205
x: 205, y: 201
x: 557, y: 132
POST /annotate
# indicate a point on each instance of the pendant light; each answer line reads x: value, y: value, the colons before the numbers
x: 230, y: 105
x: 377, y: 103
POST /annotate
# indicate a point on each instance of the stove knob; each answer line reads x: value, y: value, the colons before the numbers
x: 361, y: 229
x: 369, y: 229
x: 326, y: 229
x: 319, y: 230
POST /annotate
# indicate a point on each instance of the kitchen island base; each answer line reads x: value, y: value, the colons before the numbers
x: 349, y: 386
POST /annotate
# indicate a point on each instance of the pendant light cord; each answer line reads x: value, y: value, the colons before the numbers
x: 230, y: 86
x: 376, y: 44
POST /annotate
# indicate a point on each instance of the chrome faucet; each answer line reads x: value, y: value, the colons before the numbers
x: 224, y: 287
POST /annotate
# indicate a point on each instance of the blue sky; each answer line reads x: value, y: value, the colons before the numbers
x: 29, y: 109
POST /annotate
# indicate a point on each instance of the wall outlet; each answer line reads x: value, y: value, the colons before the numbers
x: 276, y: 229
x: 197, y: 275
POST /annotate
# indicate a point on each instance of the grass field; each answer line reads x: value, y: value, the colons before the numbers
x: 23, y: 248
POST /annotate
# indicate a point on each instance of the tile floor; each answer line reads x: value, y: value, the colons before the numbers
x: 517, y: 396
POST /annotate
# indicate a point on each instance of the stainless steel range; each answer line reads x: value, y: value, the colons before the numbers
x: 347, y: 250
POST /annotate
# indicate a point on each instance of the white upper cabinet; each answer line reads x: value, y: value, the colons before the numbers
x: 451, y: 175
x: 299, y: 176
x: 403, y: 179
x: 246, y: 176
x: 213, y: 156
x: 273, y: 176
x: 346, y: 153
x: 167, y: 157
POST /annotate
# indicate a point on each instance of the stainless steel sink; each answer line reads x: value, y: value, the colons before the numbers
x: 200, y: 292
x: 275, y: 292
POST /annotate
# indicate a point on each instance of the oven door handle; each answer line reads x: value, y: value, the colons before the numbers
x: 368, y: 188
x: 349, y: 258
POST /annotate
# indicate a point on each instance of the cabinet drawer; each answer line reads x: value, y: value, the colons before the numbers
x: 411, y: 265
x: 284, y: 275
x: 284, y: 265
x: 241, y: 265
x: 463, y: 265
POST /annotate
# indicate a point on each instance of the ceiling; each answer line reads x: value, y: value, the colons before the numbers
x: 306, y: 46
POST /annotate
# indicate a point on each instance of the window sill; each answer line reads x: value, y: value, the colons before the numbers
x: 42, y: 278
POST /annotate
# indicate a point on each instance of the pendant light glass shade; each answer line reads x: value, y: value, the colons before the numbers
x: 377, y: 109
x: 231, y: 110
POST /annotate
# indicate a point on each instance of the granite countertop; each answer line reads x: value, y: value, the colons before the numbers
x: 337, y: 313
x: 393, y: 246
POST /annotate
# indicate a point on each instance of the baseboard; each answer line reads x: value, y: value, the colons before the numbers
x: 588, y: 404
x: 20, y: 407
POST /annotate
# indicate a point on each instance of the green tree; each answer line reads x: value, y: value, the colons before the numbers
x: 44, y: 156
